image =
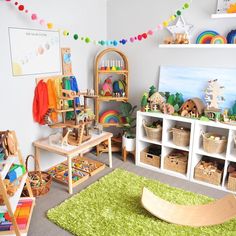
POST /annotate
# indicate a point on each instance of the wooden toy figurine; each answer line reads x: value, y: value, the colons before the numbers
x: 213, y: 97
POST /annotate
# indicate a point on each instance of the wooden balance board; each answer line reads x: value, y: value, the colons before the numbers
x: 213, y: 213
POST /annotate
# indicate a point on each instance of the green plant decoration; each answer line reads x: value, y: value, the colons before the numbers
x: 144, y: 100
x: 152, y: 90
x: 127, y: 111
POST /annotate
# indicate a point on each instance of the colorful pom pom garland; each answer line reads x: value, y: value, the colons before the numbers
x: 115, y: 43
x: 206, y: 37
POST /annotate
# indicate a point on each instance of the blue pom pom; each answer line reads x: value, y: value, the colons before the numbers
x: 115, y: 43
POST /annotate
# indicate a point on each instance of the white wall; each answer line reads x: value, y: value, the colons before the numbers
x: 131, y: 17
x: 16, y: 94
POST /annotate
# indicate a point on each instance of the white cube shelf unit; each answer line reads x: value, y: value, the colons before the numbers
x: 195, y: 148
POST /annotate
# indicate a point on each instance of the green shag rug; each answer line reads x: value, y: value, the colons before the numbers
x: 111, y: 206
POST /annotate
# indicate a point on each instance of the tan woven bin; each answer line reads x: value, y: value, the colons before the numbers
x: 181, y: 136
x: 231, y: 183
x: 177, y: 161
x: 207, y: 176
x: 150, y: 159
x: 153, y: 133
x: 212, y: 145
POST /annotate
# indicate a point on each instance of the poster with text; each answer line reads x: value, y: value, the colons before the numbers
x: 34, y: 51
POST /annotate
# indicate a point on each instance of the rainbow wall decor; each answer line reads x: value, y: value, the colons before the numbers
x: 110, y: 117
x: 206, y: 37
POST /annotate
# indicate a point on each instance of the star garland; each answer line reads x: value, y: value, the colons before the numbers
x: 137, y: 38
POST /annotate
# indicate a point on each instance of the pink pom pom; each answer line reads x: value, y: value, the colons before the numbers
x: 132, y: 39
x: 150, y: 32
x: 160, y: 27
x: 34, y: 16
x: 26, y: 11
x: 140, y: 37
x: 42, y: 22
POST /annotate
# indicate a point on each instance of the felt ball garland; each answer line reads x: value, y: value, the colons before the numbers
x: 139, y: 37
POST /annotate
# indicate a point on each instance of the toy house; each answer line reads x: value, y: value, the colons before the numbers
x: 193, y: 107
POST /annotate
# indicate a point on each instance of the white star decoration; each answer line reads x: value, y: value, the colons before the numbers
x: 180, y: 27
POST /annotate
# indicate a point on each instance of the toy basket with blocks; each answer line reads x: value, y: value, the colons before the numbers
x: 177, y: 161
x: 208, y: 171
x: 214, y: 143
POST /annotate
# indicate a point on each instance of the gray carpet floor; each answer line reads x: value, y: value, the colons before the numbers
x: 41, y: 226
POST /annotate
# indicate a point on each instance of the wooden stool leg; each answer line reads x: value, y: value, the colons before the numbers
x: 124, y: 154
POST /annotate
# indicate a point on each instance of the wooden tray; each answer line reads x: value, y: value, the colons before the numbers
x: 87, y: 165
x: 59, y: 174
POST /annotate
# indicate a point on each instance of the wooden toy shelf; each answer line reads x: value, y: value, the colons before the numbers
x: 195, y: 150
x: 99, y: 75
x: 11, y: 203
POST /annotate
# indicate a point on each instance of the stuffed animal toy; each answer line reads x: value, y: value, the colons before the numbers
x: 107, y: 87
x: 119, y: 86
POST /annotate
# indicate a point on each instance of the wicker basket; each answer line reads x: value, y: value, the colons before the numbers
x: 231, y: 182
x: 150, y: 159
x: 40, y: 181
x: 177, y: 161
x: 212, y: 145
x: 153, y: 133
x: 181, y: 136
x: 207, y: 176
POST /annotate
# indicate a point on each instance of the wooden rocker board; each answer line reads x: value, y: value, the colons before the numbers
x: 214, y: 213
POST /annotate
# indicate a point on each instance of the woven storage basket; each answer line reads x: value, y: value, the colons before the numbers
x: 231, y: 182
x: 177, y: 162
x: 212, y: 145
x: 153, y: 133
x: 181, y: 137
x: 207, y: 176
x: 40, y: 181
x: 150, y: 159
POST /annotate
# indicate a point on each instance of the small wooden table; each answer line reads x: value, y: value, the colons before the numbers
x: 72, y: 151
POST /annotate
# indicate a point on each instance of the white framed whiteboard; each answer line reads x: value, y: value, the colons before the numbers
x: 34, y: 51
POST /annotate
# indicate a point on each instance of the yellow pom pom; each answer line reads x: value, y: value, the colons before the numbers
x: 65, y: 33
x: 165, y: 23
x: 50, y: 25
x: 173, y: 18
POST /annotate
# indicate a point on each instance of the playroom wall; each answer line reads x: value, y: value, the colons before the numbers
x: 128, y: 18
x: 16, y: 94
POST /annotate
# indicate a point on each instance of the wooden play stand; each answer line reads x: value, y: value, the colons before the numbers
x: 124, y: 75
x: 10, y: 203
x: 214, y: 213
x: 79, y: 133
